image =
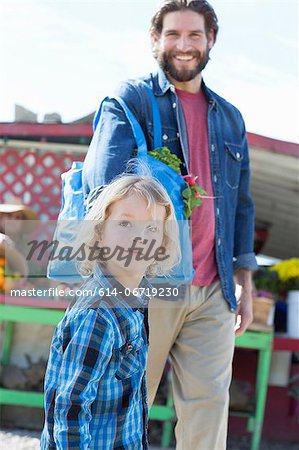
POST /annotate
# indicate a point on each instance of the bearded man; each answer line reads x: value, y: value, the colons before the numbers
x: 208, y: 134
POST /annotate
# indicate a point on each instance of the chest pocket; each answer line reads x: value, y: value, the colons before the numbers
x: 130, y: 360
x: 233, y: 160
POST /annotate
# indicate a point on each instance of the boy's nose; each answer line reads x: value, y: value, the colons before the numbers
x: 139, y: 240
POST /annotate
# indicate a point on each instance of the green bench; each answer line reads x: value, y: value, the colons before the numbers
x: 50, y: 313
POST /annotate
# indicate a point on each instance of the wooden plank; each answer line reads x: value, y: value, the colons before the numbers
x: 30, y: 315
x: 255, y: 340
x: 12, y: 144
x: 21, y: 398
x: 286, y: 343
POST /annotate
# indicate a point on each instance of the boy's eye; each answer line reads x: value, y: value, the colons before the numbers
x: 124, y: 223
x: 153, y: 228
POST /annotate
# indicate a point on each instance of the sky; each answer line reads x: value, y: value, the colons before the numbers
x: 65, y: 56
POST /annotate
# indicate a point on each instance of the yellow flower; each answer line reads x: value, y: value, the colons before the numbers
x: 287, y: 270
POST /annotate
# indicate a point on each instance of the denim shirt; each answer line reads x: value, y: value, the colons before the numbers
x: 114, y: 143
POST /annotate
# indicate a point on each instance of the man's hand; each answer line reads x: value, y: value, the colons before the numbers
x: 244, y: 314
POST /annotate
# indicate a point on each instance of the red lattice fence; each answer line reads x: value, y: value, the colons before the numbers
x: 33, y: 175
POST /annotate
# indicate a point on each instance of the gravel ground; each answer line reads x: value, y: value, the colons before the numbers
x: 29, y: 440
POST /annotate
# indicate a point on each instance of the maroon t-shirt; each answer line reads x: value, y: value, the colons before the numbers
x: 195, y: 108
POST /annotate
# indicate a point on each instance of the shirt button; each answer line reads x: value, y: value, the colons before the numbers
x: 164, y: 137
x: 174, y: 105
x: 178, y: 134
x: 172, y: 88
x: 238, y: 155
x: 130, y: 347
x: 219, y: 241
x: 215, y: 178
x: 217, y: 211
x: 213, y: 147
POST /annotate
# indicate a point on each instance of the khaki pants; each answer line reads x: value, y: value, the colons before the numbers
x: 198, y: 333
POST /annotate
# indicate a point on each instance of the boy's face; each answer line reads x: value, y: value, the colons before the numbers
x: 130, y: 225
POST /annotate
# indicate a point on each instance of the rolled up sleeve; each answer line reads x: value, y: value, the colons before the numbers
x: 245, y: 261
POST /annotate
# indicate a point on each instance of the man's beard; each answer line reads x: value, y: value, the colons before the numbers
x: 165, y: 61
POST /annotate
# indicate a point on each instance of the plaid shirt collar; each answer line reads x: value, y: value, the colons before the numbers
x: 109, y: 283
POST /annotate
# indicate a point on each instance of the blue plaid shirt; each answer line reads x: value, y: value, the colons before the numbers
x: 95, y: 391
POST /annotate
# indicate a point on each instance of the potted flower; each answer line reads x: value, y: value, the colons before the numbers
x: 288, y: 275
x: 266, y: 286
x: 266, y: 282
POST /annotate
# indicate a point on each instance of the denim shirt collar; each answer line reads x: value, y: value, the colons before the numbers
x: 161, y: 85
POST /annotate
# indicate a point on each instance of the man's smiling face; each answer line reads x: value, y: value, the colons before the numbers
x: 182, y: 48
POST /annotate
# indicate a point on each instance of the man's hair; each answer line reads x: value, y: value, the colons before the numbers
x: 199, y: 6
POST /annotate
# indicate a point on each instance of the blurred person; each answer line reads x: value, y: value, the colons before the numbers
x: 15, y: 221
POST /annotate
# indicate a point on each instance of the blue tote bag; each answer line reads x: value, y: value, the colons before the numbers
x: 73, y: 207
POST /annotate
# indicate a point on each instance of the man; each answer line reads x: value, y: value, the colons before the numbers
x: 208, y: 134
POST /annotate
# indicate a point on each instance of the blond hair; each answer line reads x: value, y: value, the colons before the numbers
x: 152, y: 191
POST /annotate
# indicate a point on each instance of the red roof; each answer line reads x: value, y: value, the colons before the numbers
x: 273, y: 145
x: 13, y: 129
x: 42, y: 131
